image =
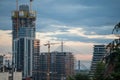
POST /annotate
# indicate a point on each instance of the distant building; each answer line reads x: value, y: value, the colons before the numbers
x: 36, y: 60
x: 7, y: 76
x: 98, y: 54
x: 1, y: 63
x: 23, y: 34
x: 4, y: 75
x: 81, y: 68
x: 61, y: 65
x: 1, y: 60
x: 6, y: 71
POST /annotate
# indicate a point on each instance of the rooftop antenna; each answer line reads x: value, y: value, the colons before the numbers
x: 61, y: 46
x: 17, y: 5
x: 79, y: 65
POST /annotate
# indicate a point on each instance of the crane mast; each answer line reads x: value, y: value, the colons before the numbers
x: 31, y: 5
x: 48, y: 58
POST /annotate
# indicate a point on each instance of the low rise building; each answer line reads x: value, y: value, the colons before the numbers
x: 8, y: 76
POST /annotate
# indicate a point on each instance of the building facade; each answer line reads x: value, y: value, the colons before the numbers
x: 61, y: 65
x: 1, y: 63
x: 7, y: 76
x: 98, y: 54
x: 23, y: 31
x: 1, y: 60
x: 36, y: 58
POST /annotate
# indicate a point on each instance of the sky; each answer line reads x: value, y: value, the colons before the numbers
x: 81, y: 24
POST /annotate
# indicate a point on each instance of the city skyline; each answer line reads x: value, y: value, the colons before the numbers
x: 80, y: 23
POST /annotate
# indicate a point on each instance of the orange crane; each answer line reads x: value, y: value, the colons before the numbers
x: 17, y: 21
x: 48, y: 57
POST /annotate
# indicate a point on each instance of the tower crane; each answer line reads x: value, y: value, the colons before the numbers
x: 17, y: 20
x: 48, y: 58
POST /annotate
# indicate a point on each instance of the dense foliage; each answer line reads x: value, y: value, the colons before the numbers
x: 115, y: 61
x: 99, y: 71
x: 79, y: 77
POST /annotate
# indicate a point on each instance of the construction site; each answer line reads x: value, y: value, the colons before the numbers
x: 28, y: 62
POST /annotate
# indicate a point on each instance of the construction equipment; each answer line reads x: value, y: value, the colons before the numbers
x: 17, y: 17
x: 48, y: 57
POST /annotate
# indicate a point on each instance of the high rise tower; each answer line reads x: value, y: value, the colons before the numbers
x: 98, y: 54
x: 23, y: 31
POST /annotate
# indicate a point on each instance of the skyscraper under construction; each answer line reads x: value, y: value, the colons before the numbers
x: 60, y: 67
x: 23, y: 34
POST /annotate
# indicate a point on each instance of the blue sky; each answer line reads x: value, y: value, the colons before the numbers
x: 87, y: 14
x: 82, y: 23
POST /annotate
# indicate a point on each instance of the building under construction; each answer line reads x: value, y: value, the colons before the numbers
x: 36, y: 58
x: 23, y: 34
x: 60, y: 67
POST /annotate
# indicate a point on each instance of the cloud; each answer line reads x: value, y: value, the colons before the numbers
x: 5, y: 38
x: 68, y: 12
x: 83, y: 57
x: 71, y: 33
x: 81, y: 32
x: 77, y: 46
x: 81, y: 23
x: 5, y: 41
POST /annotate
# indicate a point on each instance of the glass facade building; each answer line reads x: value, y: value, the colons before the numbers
x: 98, y: 54
x: 36, y: 58
x: 23, y: 31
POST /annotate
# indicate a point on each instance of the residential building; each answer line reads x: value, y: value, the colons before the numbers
x: 98, y: 54
x: 61, y: 65
x: 36, y: 56
x: 1, y: 60
x: 1, y: 63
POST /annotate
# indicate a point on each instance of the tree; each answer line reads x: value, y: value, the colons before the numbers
x: 115, y: 75
x: 99, y: 71
x: 79, y: 77
x: 70, y: 78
